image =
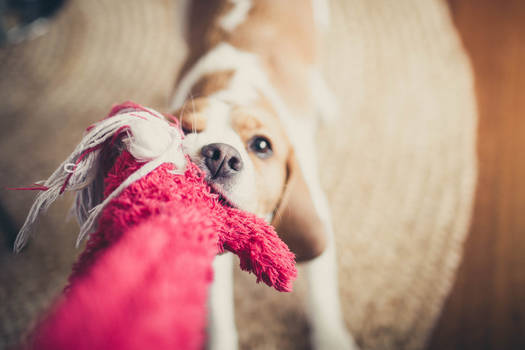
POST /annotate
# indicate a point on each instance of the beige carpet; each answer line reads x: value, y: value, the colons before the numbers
x: 399, y: 167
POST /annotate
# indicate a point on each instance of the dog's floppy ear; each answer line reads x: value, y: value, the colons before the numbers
x: 296, y: 219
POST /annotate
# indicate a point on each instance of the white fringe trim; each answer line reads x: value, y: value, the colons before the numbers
x: 150, y: 138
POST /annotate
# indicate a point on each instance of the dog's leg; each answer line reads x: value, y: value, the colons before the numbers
x: 326, y: 320
x: 222, y: 334
x: 324, y: 309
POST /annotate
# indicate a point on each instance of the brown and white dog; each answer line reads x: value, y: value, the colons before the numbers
x: 249, y: 98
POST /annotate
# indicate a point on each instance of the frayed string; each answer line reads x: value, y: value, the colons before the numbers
x: 36, y: 187
x: 72, y: 167
x: 80, y: 171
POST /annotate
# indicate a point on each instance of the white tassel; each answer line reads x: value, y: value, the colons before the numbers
x: 150, y: 138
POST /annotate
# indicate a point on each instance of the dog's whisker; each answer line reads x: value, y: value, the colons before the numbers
x: 182, y: 109
x: 193, y: 119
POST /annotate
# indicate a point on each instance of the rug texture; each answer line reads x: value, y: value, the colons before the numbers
x: 399, y: 166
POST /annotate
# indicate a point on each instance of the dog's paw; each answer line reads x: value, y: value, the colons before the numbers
x: 226, y: 340
x: 333, y: 339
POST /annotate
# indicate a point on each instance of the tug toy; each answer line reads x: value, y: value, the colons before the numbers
x: 154, y: 229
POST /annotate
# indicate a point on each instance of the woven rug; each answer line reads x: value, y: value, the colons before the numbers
x: 399, y: 167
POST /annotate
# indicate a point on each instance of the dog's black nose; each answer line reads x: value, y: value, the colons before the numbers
x: 223, y: 160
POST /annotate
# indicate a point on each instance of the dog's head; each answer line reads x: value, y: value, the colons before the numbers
x: 242, y: 150
x: 249, y: 161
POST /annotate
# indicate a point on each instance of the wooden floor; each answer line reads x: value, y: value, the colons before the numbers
x: 486, y: 309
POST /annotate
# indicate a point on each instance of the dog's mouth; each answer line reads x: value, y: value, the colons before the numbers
x: 223, y: 196
x: 216, y: 187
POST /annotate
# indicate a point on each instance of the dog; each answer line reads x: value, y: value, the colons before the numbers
x: 249, y: 98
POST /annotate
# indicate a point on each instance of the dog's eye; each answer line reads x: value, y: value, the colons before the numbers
x: 261, y: 146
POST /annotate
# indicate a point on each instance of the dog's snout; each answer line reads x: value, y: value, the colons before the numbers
x: 222, y: 160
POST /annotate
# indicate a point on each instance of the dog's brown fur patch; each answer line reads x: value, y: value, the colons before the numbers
x: 212, y: 83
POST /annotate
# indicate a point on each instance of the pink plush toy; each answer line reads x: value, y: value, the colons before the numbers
x: 143, y: 279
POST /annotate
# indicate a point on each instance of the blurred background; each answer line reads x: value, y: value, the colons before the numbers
x: 423, y: 171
